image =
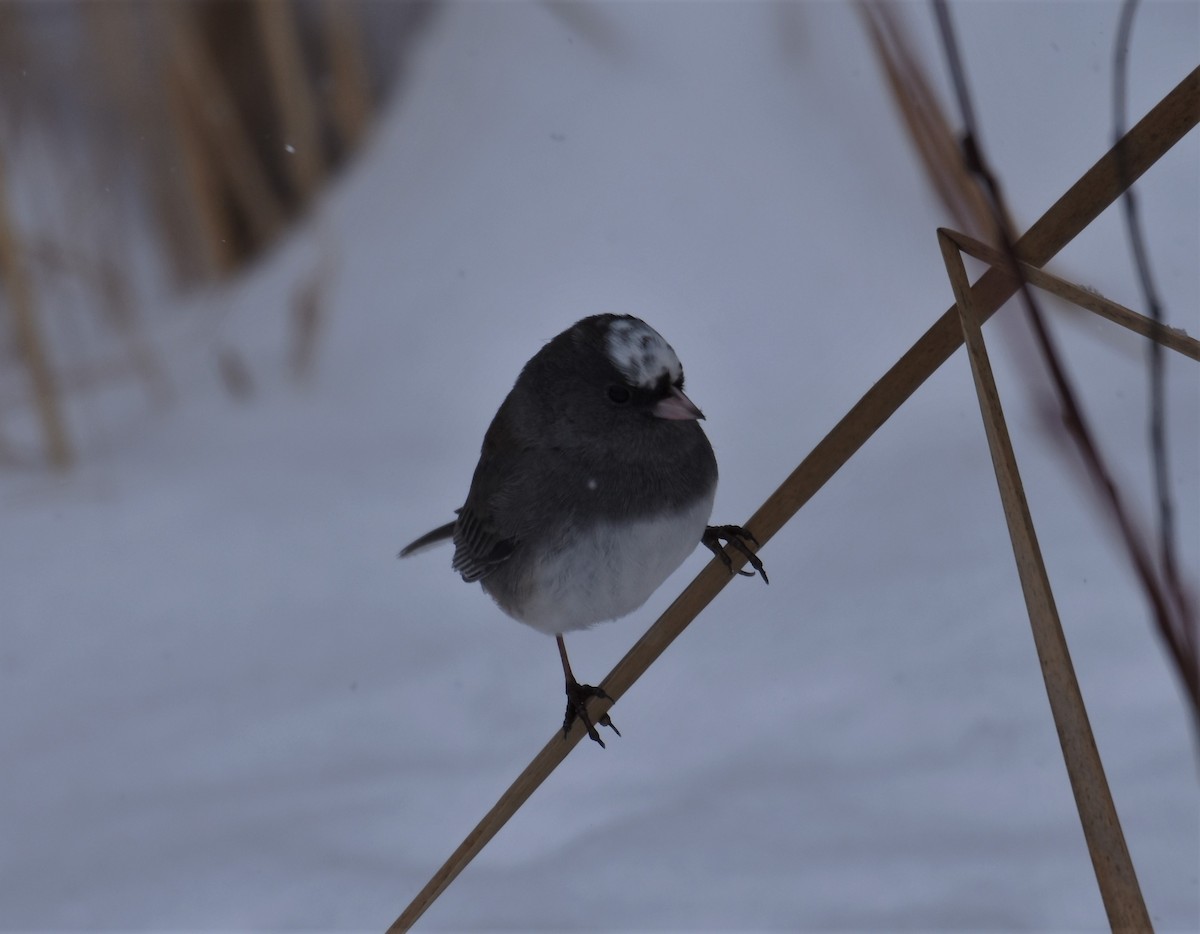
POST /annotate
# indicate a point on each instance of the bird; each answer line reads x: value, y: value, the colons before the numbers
x: 594, y: 482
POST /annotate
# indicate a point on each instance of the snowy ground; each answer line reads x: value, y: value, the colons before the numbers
x: 226, y: 704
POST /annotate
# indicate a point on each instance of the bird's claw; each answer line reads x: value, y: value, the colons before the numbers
x: 735, y: 536
x: 577, y: 697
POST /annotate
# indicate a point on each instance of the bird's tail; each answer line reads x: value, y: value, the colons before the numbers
x: 428, y: 540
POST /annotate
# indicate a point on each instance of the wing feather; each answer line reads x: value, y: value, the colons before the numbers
x: 486, y: 533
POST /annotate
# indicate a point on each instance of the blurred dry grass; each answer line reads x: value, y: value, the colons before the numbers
x: 929, y: 129
x: 151, y: 147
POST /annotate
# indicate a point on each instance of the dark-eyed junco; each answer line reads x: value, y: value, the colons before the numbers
x: 595, y: 482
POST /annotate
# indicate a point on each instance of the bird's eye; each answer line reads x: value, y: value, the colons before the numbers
x: 618, y: 394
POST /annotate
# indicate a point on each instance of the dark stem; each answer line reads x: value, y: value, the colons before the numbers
x: 1177, y: 636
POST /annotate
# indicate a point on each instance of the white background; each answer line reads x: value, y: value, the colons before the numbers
x: 224, y: 703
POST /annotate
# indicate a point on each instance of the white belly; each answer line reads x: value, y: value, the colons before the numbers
x: 611, y: 572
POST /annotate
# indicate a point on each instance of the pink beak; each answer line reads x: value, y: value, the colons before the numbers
x: 676, y: 407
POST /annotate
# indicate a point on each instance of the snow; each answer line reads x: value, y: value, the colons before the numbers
x: 226, y: 704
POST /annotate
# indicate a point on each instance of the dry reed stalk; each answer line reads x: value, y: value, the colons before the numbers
x: 1172, y: 611
x: 235, y: 375
x: 1099, y: 187
x: 115, y: 28
x: 105, y: 278
x: 81, y: 379
x: 14, y: 271
x: 103, y: 264
x: 301, y: 127
x: 1182, y: 602
x: 351, y: 82
x: 936, y: 143
x: 1113, y: 866
x: 1173, y: 338
x: 217, y: 125
x: 205, y: 199
x: 309, y: 312
x: 928, y: 127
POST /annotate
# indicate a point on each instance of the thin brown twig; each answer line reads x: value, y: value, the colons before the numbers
x: 1173, y: 629
x: 43, y: 383
x: 1157, y: 363
x: 1154, y: 135
x: 351, y: 81
x: 1172, y: 338
x: 1115, y: 875
x: 935, y: 140
x: 925, y: 119
x: 280, y: 36
x: 219, y: 128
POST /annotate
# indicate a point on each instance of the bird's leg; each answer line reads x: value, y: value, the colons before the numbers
x: 577, y: 698
x: 737, y: 537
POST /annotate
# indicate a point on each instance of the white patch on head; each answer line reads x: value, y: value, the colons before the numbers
x: 640, y: 353
x: 591, y: 484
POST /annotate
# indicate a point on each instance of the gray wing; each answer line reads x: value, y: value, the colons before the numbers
x: 478, y: 546
x: 488, y: 529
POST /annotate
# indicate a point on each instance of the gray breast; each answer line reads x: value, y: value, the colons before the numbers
x: 601, y: 571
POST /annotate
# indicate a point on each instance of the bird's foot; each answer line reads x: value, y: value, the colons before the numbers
x: 577, y: 697
x: 736, y: 537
